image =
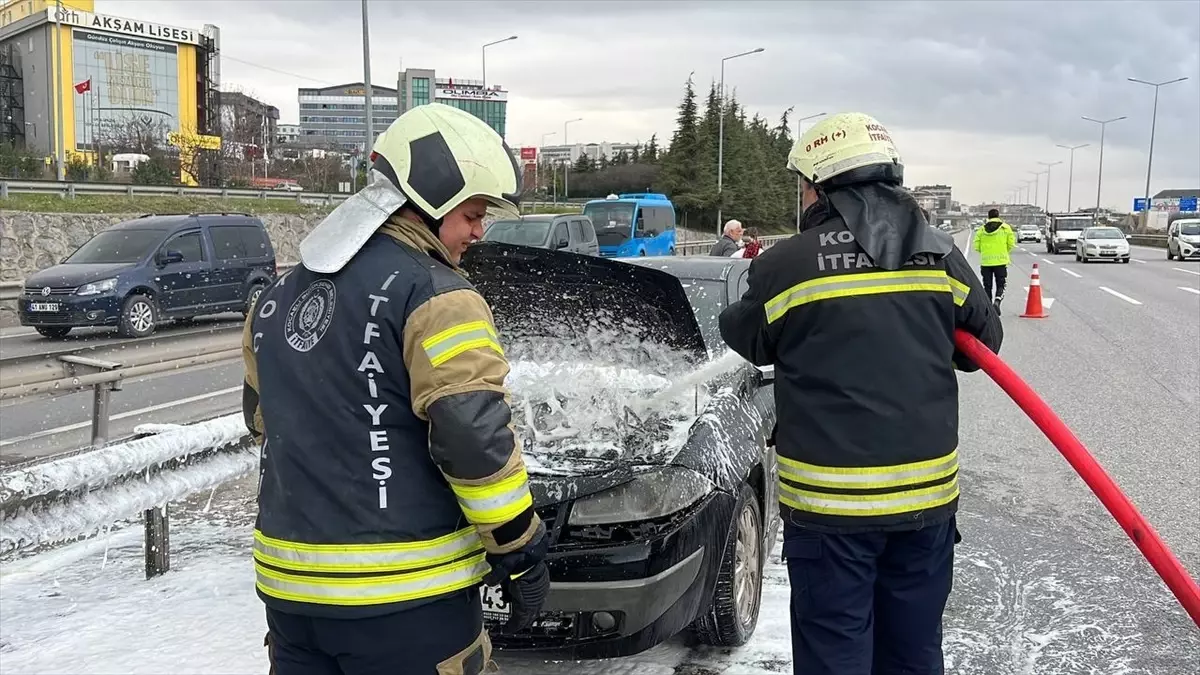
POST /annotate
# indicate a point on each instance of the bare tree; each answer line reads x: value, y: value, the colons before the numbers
x: 131, y: 133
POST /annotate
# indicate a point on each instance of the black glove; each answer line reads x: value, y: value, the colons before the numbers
x: 523, y: 579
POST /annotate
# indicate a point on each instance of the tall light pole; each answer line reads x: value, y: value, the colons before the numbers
x: 1036, y: 185
x: 1031, y: 184
x: 369, y: 141
x: 567, y: 166
x: 1048, y: 166
x: 537, y: 164
x: 800, y: 132
x: 1071, y: 170
x: 483, y: 52
x: 58, y: 91
x: 1153, y: 122
x: 1100, y: 168
x: 721, y: 135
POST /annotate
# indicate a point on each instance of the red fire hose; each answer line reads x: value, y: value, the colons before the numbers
x: 1126, y: 514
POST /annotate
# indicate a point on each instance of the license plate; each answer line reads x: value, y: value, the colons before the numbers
x: 495, y: 609
x: 1108, y: 252
x: 43, y: 306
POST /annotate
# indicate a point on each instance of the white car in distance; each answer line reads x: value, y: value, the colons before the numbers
x: 1102, y: 243
x: 1028, y: 233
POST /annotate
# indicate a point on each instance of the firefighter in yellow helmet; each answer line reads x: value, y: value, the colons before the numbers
x: 392, y: 484
x: 857, y: 313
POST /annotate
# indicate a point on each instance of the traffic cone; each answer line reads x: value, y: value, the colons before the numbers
x: 1033, y: 303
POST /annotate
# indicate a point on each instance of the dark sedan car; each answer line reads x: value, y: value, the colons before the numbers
x: 660, y: 517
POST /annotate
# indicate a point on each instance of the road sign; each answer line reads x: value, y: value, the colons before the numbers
x: 1187, y: 204
x: 1139, y: 204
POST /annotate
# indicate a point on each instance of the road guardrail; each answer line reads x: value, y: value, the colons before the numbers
x: 1155, y: 240
x: 72, y: 190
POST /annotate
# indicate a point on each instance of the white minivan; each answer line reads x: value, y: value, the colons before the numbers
x: 1183, y: 239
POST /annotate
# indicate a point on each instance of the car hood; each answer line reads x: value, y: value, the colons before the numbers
x: 557, y: 299
x: 551, y: 489
x: 76, y: 274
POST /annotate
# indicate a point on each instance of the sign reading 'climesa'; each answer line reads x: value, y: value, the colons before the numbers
x: 117, y: 24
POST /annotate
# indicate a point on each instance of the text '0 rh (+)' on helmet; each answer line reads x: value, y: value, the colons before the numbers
x: 432, y: 159
x: 840, y: 144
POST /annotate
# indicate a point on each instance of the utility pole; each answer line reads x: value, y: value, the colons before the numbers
x: 483, y: 53
x: 567, y: 164
x: 1071, y: 171
x: 1100, y: 168
x: 60, y: 155
x: 368, y: 90
x: 721, y: 135
x: 1150, y: 154
x: 537, y: 165
x: 1048, y: 165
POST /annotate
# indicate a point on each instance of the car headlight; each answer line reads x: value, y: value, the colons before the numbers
x: 97, y: 287
x: 651, y: 495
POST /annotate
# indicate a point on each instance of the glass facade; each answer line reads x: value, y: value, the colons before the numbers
x: 420, y: 91
x: 134, y: 87
x: 491, y: 112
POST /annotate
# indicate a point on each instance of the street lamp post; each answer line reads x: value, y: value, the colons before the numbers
x: 483, y: 53
x: 1100, y: 168
x: 1036, y: 184
x: 721, y: 135
x: 60, y: 155
x: 1031, y: 184
x: 800, y: 132
x: 368, y: 90
x: 537, y: 164
x: 567, y: 166
x: 1071, y: 170
x: 1048, y: 166
x: 1153, y: 122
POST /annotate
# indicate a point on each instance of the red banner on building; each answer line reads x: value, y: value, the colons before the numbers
x: 529, y: 154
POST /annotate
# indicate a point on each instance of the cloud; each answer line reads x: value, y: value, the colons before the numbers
x: 976, y: 93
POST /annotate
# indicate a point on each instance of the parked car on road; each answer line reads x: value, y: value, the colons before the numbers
x: 1028, y: 233
x: 1183, y: 239
x: 1102, y: 243
x: 662, y: 522
x: 140, y: 272
x: 571, y: 232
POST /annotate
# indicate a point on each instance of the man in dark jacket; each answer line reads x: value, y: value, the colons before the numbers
x: 728, y: 243
x: 857, y: 314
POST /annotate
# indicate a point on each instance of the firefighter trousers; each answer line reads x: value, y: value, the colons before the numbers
x: 445, y: 637
x: 869, y: 603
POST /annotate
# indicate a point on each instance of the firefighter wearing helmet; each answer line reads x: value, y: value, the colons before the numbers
x: 391, y: 481
x: 857, y: 313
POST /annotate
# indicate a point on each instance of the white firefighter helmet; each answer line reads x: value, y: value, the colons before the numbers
x: 841, y: 143
x: 432, y: 158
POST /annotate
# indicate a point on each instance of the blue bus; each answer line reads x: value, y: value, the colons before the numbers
x: 636, y: 224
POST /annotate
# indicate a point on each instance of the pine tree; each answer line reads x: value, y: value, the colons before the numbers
x: 583, y: 164
x: 636, y: 155
x: 650, y: 156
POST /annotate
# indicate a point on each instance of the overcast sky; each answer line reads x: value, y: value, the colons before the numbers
x: 974, y: 93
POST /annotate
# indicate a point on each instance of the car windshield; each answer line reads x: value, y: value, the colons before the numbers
x: 117, y: 246
x: 1105, y: 233
x: 1028, y: 228
x: 1189, y: 228
x: 1072, y: 223
x: 521, y: 232
x: 708, y: 299
x: 613, y: 221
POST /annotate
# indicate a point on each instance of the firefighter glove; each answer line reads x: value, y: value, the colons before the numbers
x: 526, y: 594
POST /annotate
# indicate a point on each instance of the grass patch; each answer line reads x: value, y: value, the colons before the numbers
x: 154, y: 204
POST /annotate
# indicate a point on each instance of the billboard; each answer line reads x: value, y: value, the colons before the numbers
x: 126, y: 88
x: 529, y: 154
x: 470, y: 93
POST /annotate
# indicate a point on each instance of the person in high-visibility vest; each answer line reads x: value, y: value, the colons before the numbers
x: 994, y: 242
x: 391, y: 483
x: 857, y: 312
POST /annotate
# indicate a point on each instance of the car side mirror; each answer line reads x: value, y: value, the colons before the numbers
x: 765, y: 376
x: 168, y: 257
x: 562, y: 242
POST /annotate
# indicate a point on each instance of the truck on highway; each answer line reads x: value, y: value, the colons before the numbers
x: 1063, y: 230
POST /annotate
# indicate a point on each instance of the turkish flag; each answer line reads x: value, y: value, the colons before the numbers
x: 84, y: 86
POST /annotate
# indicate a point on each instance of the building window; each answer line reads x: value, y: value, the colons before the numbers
x: 420, y: 90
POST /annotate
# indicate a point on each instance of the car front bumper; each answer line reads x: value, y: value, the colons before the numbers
x: 1187, y: 250
x: 1104, y: 255
x: 72, y: 310
x: 615, y: 600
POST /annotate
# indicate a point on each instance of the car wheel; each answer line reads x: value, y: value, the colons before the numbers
x: 53, y: 331
x: 1170, y: 256
x: 252, y: 297
x: 731, y: 619
x: 138, y: 317
x: 1077, y: 258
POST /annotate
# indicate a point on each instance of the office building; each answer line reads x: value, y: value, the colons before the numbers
x: 286, y: 134
x: 336, y: 117
x: 933, y: 197
x: 554, y: 154
x: 420, y: 86
x: 247, y: 121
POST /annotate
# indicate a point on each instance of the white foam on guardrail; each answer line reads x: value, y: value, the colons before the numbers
x: 99, y: 467
x: 96, y: 510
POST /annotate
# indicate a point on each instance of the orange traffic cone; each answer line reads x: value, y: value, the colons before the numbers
x: 1033, y: 303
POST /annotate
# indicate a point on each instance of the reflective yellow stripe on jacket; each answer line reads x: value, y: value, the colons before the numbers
x: 454, y: 341
x: 368, y: 574
x: 868, y: 491
x: 497, y: 502
x: 867, y: 283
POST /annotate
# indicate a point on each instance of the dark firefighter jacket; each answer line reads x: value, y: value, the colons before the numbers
x: 389, y: 462
x: 865, y: 387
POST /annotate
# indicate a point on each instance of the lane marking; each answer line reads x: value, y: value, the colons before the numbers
x: 1073, y: 273
x: 23, y: 333
x: 120, y: 416
x: 1046, y: 302
x: 1049, y: 261
x: 1122, y: 296
x: 1180, y: 269
x: 1189, y: 290
x: 1138, y: 260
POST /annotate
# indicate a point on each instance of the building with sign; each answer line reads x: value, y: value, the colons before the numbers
x: 555, y: 154
x: 336, y: 117
x: 419, y: 86
x: 112, y: 81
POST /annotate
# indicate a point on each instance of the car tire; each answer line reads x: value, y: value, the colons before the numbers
x: 736, y: 601
x: 252, y: 297
x: 1170, y: 256
x: 1077, y: 258
x: 139, y: 316
x: 53, y: 332
x: 1125, y: 261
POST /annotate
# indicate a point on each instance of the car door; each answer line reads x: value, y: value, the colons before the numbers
x: 576, y: 235
x: 231, y: 265
x: 182, y: 283
x: 590, y: 245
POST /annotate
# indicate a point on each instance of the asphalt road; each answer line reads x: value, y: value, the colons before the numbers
x: 26, y: 341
